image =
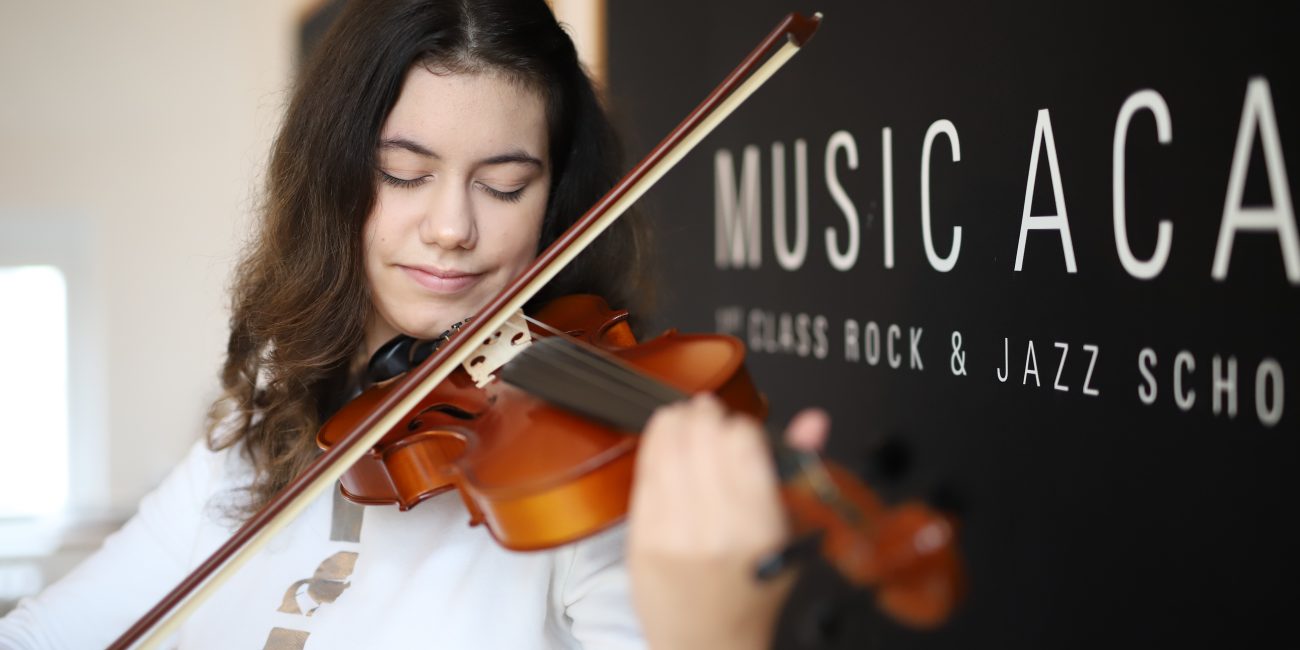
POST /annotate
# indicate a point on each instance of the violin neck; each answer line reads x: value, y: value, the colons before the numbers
x: 589, y: 382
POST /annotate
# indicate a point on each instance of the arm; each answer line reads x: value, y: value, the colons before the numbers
x: 104, y: 595
x: 705, y: 508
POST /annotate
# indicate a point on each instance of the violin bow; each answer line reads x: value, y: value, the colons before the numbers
x: 166, y: 617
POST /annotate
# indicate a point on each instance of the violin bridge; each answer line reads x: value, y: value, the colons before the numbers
x: 498, y: 349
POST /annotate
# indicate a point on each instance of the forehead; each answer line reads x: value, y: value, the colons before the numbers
x: 477, y: 114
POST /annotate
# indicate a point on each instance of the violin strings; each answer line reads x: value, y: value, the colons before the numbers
x: 594, y: 383
x: 559, y: 387
x: 547, y: 368
x: 587, y: 385
x: 600, y: 376
x: 613, y: 367
x: 607, y: 372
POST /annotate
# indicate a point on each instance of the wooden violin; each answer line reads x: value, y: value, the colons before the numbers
x: 545, y: 457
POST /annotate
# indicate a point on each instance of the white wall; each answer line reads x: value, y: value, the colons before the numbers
x: 139, y: 127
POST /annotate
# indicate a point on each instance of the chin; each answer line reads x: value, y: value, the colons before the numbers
x: 427, y: 326
x: 427, y: 330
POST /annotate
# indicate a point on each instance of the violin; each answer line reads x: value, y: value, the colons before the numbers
x: 545, y: 456
x: 905, y: 552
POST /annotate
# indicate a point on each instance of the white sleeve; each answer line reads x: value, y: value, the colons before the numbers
x: 135, y: 568
x: 596, y: 594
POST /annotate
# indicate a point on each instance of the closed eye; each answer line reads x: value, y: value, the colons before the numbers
x: 510, y: 197
x: 404, y: 183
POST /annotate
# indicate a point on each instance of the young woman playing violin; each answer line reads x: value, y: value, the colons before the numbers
x: 431, y: 149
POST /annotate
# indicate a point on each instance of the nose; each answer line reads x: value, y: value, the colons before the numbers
x: 449, y: 218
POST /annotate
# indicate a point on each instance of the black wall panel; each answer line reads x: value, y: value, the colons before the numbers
x: 1111, y: 490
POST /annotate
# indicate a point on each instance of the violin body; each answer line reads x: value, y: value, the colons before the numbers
x: 536, y: 475
x: 539, y: 476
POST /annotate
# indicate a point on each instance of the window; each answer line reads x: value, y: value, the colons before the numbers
x: 34, y: 457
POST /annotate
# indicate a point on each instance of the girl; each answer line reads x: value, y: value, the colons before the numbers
x: 431, y: 149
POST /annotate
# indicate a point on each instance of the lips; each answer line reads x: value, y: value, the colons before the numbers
x: 439, y: 280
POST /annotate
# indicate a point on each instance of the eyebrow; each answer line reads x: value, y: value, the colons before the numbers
x: 515, y: 156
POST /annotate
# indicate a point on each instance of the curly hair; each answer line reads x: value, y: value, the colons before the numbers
x: 300, y: 300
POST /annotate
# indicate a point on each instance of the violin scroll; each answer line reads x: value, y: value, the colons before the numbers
x: 906, y: 552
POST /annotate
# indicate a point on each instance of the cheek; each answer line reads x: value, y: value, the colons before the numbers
x: 526, y: 241
x: 370, y: 239
x: 375, y: 242
x: 514, y: 234
x: 380, y: 230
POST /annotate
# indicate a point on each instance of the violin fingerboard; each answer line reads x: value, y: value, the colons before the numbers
x: 588, y: 383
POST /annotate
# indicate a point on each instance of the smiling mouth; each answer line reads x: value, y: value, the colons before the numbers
x: 441, y: 280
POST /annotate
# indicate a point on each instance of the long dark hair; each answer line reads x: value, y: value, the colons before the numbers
x: 300, y: 298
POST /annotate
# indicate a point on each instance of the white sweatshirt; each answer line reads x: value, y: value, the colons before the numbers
x: 416, y: 579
